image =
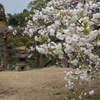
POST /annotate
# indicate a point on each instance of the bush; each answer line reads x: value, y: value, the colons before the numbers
x: 28, y: 44
x: 20, y: 44
x: 24, y: 40
x: 2, y: 25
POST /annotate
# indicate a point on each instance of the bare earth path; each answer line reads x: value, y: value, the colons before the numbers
x: 34, y: 84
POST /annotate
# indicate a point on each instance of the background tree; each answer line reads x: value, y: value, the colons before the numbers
x: 18, y: 19
x: 37, y: 4
x: 29, y: 43
x: 25, y: 10
x: 2, y: 14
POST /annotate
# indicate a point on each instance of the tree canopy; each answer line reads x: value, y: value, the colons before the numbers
x: 18, y: 19
x: 37, y: 4
x: 2, y: 14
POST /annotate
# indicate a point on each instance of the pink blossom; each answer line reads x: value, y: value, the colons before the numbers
x: 56, y: 63
x: 65, y: 72
x: 64, y: 13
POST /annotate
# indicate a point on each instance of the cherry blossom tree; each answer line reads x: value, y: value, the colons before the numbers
x: 70, y: 31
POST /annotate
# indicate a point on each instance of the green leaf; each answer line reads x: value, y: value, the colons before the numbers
x: 53, y: 87
x: 82, y: 15
x: 81, y: 54
x: 98, y: 38
x: 63, y: 47
x: 73, y: 58
x: 59, y: 8
x: 86, y: 31
x: 85, y: 24
x: 94, y: 53
x: 85, y: 64
x: 88, y: 72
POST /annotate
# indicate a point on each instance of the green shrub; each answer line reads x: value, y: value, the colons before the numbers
x: 20, y: 44
x: 2, y: 25
x: 24, y: 40
x: 28, y: 44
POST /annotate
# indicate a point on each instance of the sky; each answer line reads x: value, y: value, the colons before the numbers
x: 14, y: 6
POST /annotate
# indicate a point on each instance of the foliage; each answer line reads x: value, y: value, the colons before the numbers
x: 25, y: 10
x: 11, y: 42
x: 37, y: 4
x: 24, y: 40
x: 29, y: 44
x: 2, y: 25
x: 10, y: 60
x: 2, y: 14
x: 18, y: 19
x: 20, y: 44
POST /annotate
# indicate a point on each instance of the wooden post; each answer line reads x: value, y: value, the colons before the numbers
x: 37, y: 58
x: 40, y: 60
x: 5, y: 52
x: 67, y: 64
x: 47, y: 62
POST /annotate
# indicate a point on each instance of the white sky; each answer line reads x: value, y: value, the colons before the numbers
x: 14, y: 6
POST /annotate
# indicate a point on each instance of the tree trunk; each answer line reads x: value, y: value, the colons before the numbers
x: 5, y: 52
x: 37, y: 59
x: 40, y: 60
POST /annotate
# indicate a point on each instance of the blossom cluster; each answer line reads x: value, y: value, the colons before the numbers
x: 72, y: 27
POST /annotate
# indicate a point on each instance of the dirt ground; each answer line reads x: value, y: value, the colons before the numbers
x: 36, y: 84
